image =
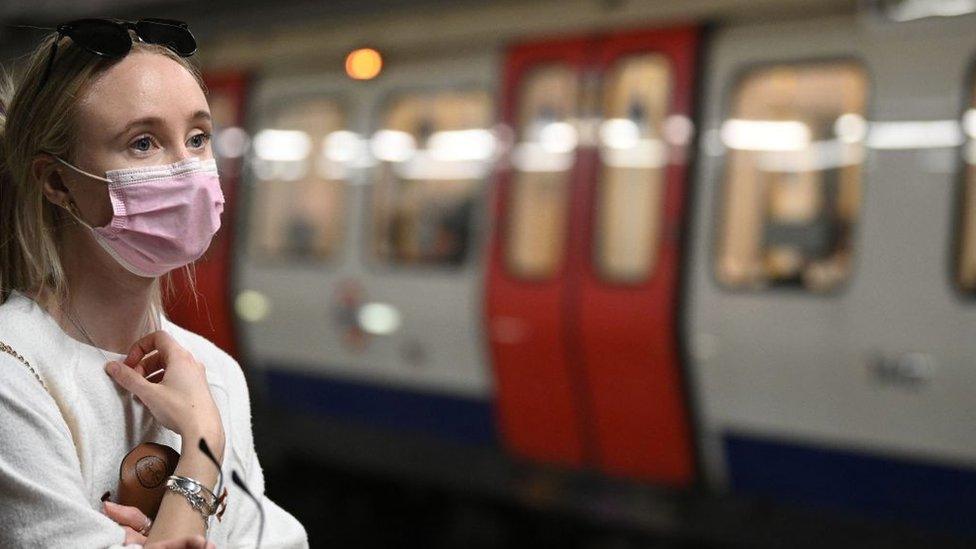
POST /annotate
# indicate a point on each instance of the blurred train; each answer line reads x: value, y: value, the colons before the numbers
x: 735, y: 253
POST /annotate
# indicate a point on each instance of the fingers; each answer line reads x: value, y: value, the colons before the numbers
x: 129, y: 379
x: 199, y: 542
x: 130, y: 519
x: 156, y: 341
x: 125, y: 515
x: 132, y: 537
x: 149, y: 367
x: 156, y: 376
x: 195, y: 542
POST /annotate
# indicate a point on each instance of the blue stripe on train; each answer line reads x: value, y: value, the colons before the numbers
x: 460, y: 419
x: 922, y: 494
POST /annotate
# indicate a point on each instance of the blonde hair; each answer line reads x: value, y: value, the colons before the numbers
x: 32, y: 121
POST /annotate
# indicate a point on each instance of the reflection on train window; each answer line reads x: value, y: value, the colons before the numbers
x: 795, y: 147
x: 435, y: 150
x: 300, y: 176
x: 966, y: 266
x: 542, y: 160
x: 633, y: 155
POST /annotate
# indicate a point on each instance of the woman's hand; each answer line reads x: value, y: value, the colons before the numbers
x: 131, y: 519
x: 180, y: 398
x: 194, y: 542
x: 133, y: 522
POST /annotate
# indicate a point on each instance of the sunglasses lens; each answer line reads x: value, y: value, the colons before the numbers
x: 170, y: 34
x: 101, y: 37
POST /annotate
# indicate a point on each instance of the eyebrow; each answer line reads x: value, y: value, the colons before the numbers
x: 151, y: 120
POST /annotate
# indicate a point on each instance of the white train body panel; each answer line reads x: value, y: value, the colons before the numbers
x: 796, y: 365
x: 439, y: 308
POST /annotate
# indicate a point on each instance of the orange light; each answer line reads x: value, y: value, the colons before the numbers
x: 363, y: 64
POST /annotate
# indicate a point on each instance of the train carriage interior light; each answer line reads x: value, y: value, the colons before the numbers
x: 282, y: 145
x: 393, y: 145
x: 342, y: 146
x: 969, y: 123
x: 765, y: 135
x: 460, y: 145
x: 232, y: 142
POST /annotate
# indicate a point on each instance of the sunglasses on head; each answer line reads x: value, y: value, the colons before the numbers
x: 110, y: 38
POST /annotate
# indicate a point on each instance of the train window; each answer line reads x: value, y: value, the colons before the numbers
x: 542, y: 160
x: 966, y: 258
x: 633, y: 156
x: 792, y: 191
x: 300, y: 181
x: 435, y: 151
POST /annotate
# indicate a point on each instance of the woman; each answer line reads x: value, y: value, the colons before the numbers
x: 107, y: 182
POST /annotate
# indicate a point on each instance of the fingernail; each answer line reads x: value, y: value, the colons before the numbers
x: 106, y: 495
x: 112, y: 367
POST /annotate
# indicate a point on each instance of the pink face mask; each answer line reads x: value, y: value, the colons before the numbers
x: 164, y: 217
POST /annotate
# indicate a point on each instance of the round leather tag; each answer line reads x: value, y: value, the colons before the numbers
x: 143, y: 474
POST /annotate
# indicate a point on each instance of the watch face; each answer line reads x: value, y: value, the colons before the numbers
x: 186, y: 484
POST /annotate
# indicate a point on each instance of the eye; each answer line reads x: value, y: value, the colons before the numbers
x: 199, y: 140
x: 142, y: 144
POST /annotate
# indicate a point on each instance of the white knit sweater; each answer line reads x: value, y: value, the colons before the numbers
x: 61, y: 447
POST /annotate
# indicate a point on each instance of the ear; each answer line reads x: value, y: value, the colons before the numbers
x: 45, y: 171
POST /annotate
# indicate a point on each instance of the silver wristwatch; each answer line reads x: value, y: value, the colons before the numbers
x: 197, y: 495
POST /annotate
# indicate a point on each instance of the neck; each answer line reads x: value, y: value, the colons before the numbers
x: 111, y: 305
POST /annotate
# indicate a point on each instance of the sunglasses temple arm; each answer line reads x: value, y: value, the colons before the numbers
x: 50, y: 62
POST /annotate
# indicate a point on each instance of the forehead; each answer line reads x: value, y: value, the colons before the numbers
x: 140, y: 85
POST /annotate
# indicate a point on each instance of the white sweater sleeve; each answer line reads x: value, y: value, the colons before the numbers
x: 42, y: 499
x: 281, y: 529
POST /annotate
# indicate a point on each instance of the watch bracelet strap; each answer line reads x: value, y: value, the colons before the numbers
x: 197, y: 501
x: 209, y: 493
x: 215, y: 507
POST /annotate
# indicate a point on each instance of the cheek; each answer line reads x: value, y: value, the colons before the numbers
x: 91, y: 195
x: 96, y: 205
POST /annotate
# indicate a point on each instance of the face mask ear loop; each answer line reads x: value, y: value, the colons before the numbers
x: 81, y: 171
x: 78, y: 218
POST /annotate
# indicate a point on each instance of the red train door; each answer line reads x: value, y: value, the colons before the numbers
x: 211, y: 315
x: 586, y: 357
x: 628, y: 290
x: 538, y: 390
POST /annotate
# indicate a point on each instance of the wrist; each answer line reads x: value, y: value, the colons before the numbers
x: 214, y: 435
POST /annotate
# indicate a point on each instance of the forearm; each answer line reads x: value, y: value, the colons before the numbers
x: 176, y: 517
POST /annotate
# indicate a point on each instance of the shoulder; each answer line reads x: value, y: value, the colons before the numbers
x: 222, y: 369
x: 25, y: 401
x: 21, y: 317
x: 29, y: 343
